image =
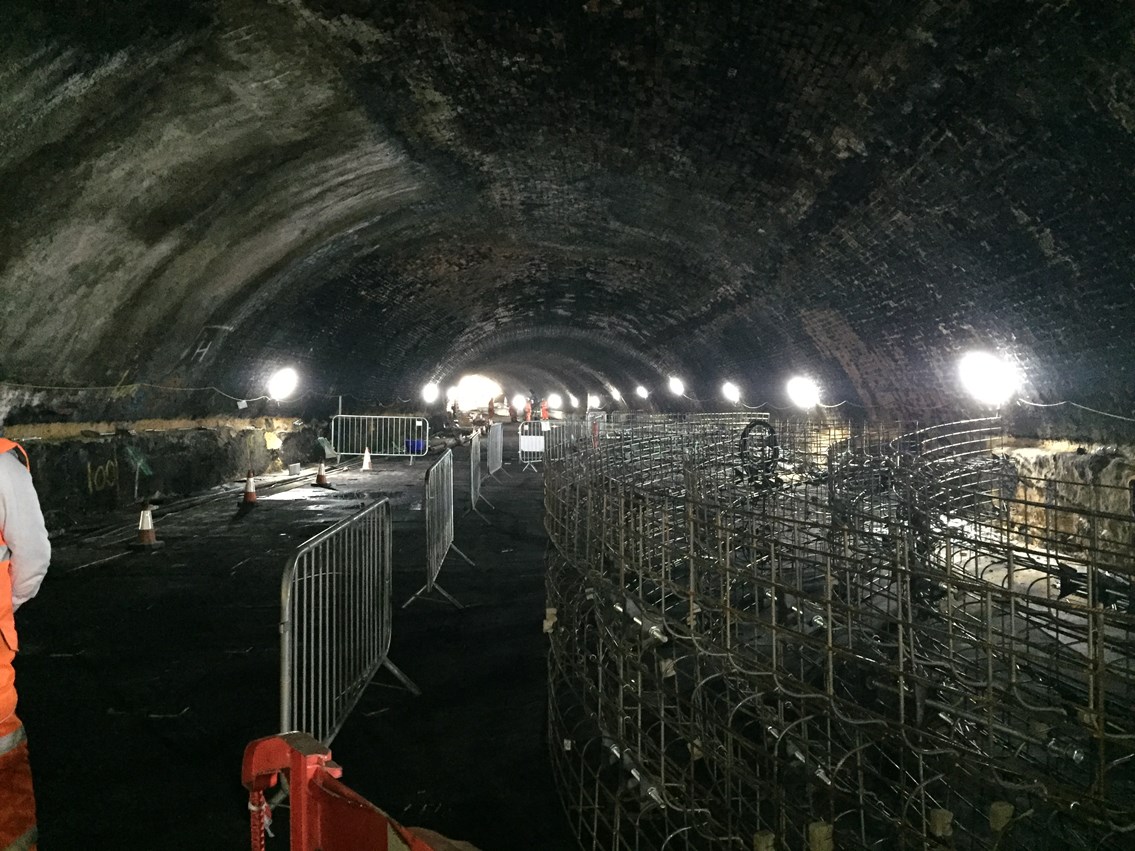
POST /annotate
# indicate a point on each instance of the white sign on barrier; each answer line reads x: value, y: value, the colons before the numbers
x: 531, y: 445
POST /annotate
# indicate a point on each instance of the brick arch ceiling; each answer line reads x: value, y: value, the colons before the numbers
x: 597, y: 192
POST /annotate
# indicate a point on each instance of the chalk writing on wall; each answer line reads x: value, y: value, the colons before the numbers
x: 102, y: 476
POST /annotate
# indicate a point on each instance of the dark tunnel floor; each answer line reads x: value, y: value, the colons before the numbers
x: 142, y: 677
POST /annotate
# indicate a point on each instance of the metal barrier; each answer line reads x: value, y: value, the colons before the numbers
x: 335, y: 622
x: 475, y: 495
x: 404, y: 436
x: 324, y: 813
x: 564, y: 438
x: 915, y: 640
x: 496, y: 451
x: 439, y: 526
x: 531, y: 444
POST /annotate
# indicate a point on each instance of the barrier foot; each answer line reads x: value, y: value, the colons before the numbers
x: 426, y: 589
x: 447, y: 596
x: 489, y: 504
x: 528, y: 465
x: 454, y: 549
x: 402, y: 678
x: 471, y: 510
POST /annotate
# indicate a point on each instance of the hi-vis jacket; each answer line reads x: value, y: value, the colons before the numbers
x: 24, y: 548
x: 24, y: 554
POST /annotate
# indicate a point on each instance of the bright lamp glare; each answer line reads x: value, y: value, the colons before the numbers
x: 572, y: 401
x: 616, y: 395
x: 676, y: 386
x: 556, y: 401
x: 518, y: 400
x: 472, y: 391
x: 592, y: 401
x: 283, y: 383
x: 430, y: 393
x: 989, y: 379
x: 804, y: 392
x: 731, y: 392
x: 641, y: 392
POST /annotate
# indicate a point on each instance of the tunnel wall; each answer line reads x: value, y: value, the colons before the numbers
x: 94, y: 472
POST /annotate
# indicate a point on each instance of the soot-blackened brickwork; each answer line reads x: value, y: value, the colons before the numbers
x: 381, y: 193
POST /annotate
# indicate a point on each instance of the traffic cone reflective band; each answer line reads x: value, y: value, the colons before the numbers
x: 366, y: 459
x: 321, y: 476
x: 249, y: 490
x: 147, y: 535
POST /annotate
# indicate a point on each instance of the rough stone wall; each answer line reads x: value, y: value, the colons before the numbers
x: 99, y: 472
x: 1080, y: 495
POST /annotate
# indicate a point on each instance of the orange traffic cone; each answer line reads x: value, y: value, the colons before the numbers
x: 249, y: 490
x: 147, y: 537
x: 366, y: 459
x: 321, y: 477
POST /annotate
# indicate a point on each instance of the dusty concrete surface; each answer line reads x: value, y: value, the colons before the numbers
x: 143, y: 676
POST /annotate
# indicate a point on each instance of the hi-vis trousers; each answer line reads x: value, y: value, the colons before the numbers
x: 17, y: 799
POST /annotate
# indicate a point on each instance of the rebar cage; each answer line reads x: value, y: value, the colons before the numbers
x: 765, y: 632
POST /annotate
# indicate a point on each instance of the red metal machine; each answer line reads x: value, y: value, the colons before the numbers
x: 325, y: 814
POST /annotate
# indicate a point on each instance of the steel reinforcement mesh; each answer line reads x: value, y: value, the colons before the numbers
x: 785, y: 635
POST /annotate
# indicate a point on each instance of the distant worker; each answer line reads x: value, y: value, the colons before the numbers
x: 24, y: 555
x: 512, y: 412
x: 455, y: 410
x: 527, y: 410
x: 492, y: 408
x: 543, y: 409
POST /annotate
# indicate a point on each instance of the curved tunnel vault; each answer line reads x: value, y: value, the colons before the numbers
x: 604, y: 192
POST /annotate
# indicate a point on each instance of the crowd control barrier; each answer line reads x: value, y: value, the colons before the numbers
x: 531, y: 445
x: 475, y: 495
x: 564, y: 437
x: 495, y: 459
x: 439, y: 526
x: 325, y: 814
x: 335, y: 622
x: 404, y: 436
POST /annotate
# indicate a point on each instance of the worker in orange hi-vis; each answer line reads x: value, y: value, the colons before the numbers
x: 543, y: 409
x: 24, y: 555
x: 528, y: 411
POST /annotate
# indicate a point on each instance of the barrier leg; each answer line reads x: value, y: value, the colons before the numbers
x: 472, y: 510
x: 454, y: 549
x: 402, y: 678
x: 425, y: 590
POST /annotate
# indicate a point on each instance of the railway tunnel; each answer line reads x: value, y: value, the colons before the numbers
x: 711, y: 612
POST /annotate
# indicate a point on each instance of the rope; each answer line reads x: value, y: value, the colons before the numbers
x: 261, y: 818
x: 1075, y: 405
